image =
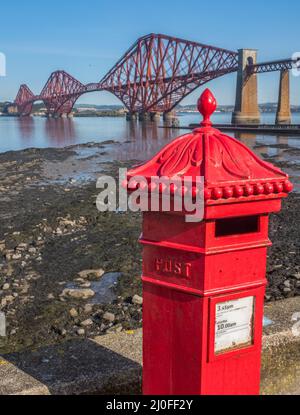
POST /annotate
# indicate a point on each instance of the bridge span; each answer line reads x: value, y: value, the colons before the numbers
x: 157, y: 72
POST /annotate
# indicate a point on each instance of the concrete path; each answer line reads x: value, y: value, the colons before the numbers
x: 112, y: 364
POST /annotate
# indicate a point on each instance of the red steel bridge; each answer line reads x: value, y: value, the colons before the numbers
x: 154, y: 75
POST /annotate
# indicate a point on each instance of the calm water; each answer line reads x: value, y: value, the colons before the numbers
x: 21, y: 133
x: 140, y: 140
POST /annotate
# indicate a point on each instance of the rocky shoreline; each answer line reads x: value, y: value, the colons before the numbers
x: 57, y: 250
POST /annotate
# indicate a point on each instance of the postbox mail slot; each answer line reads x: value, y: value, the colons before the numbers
x: 237, y: 226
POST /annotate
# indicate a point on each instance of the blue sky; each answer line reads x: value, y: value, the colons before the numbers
x: 86, y: 38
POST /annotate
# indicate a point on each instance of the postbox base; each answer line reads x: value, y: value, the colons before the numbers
x: 181, y: 352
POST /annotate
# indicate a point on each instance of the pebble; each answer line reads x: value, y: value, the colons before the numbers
x: 6, y: 287
x: 85, y: 285
x: 279, y: 266
x: 73, y: 312
x: 80, y: 280
x: 115, y: 329
x: 87, y: 323
x: 297, y: 276
x: 88, y: 308
x: 22, y: 247
x: 98, y: 273
x: 50, y: 297
x: 81, y: 332
x: 137, y: 300
x: 287, y: 284
x: 79, y: 294
x: 109, y: 317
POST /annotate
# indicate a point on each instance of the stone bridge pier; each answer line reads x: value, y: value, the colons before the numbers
x: 246, y: 105
x: 284, y: 108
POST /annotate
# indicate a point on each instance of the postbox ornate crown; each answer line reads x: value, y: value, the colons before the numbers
x: 230, y: 169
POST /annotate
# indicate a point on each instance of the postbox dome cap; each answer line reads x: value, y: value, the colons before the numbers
x: 229, y: 168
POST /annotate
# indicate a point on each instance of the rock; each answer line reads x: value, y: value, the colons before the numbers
x: 276, y: 267
x: 16, y: 256
x: 137, y: 300
x: 25, y: 288
x: 62, y: 332
x: 297, y: 276
x: 85, y: 285
x: 6, y: 287
x: 81, y: 332
x: 287, y: 290
x: 97, y: 273
x: 79, y: 294
x: 73, y: 313
x: 287, y: 284
x: 87, y: 323
x: 88, y: 308
x: 22, y: 247
x: 115, y: 329
x: 9, y: 298
x: 50, y: 297
x: 66, y: 222
x: 32, y: 250
x: 109, y: 317
x: 8, y: 256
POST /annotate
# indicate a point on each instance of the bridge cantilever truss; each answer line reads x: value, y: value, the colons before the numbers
x: 155, y: 74
x: 158, y: 71
x: 280, y: 65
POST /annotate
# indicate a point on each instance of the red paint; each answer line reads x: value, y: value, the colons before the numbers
x: 154, y: 75
x: 189, y: 268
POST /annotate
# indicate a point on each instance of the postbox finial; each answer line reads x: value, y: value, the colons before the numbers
x: 207, y: 105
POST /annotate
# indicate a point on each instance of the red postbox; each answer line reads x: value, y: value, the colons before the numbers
x: 204, y: 282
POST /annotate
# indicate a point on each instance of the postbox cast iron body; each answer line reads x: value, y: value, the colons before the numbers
x: 204, y: 283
